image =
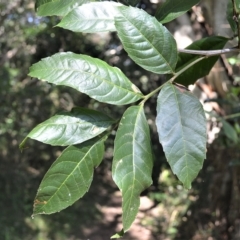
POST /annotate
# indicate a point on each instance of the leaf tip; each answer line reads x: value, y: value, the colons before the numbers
x: 118, y: 234
x: 37, y: 206
x: 187, y: 185
x: 22, y: 144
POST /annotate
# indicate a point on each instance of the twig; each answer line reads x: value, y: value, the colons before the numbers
x: 209, y: 53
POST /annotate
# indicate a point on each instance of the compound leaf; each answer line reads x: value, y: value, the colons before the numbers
x: 70, y: 177
x: 172, y: 9
x: 203, y: 67
x: 88, y: 75
x: 91, y: 17
x: 56, y: 7
x: 69, y: 128
x: 146, y: 40
x: 181, y: 126
x: 133, y: 161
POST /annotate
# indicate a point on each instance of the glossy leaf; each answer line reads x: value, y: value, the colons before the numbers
x: 146, y: 40
x: 202, y: 68
x: 57, y: 7
x: 69, y: 128
x: 181, y: 126
x: 172, y: 9
x: 133, y: 161
x: 70, y: 177
x: 91, y: 17
x: 88, y: 75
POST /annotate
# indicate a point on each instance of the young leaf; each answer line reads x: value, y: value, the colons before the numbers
x: 172, y: 9
x: 88, y: 75
x: 181, y: 126
x: 70, y: 177
x: 69, y: 128
x: 133, y: 161
x: 91, y: 17
x: 57, y: 7
x: 146, y: 40
x: 202, y: 68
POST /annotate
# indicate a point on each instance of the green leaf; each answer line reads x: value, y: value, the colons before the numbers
x: 237, y: 6
x: 133, y: 161
x: 91, y: 17
x: 230, y: 16
x: 88, y: 75
x: 146, y: 40
x: 229, y: 131
x: 57, y: 7
x: 181, y: 126
x: 69, y: 178
x: 69, y: 128
x: 118, y: 235
x: 202, y: 68
x: 172, y: 9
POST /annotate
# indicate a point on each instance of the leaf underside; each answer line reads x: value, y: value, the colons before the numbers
x: 146, y: 40
x: 70, y: 177
x: 133, y: 161
x: 89, y: 75
x: 181, y: 126
x: 69, y: 128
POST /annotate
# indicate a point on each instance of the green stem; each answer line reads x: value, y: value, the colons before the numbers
x: 231, y: 116
x: 152, y: 93
x: 186, y: 68
x: 171, y: 80
x: 218, y: 118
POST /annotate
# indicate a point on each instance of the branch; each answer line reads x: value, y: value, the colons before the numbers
x: 209, y: 53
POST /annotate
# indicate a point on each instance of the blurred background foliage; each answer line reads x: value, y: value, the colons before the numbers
x: 209, y: 211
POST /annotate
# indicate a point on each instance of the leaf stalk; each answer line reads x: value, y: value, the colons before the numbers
x: 171, y: 80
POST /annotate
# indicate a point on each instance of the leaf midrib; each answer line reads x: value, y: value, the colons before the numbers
x: 133, y: 162
x: 150, y: 42
x: 87, y: 73
x: 183, y: 138
x: 83, y: 160
x: 78, y: 123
